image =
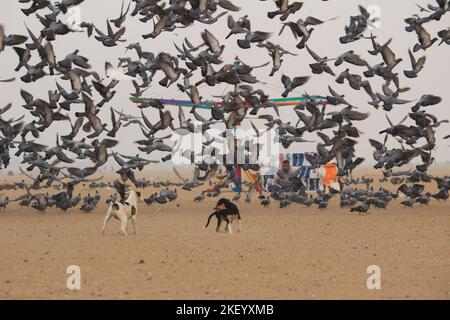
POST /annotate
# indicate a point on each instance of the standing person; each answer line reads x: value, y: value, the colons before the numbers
x: 331, y: 178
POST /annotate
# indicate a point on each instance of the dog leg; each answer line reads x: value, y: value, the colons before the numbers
x: 219, y: 222
x: 123, y: 224
x: 107, y: 218
x: 229, y: 227
x: 133, y: 221
x: 239, y: 225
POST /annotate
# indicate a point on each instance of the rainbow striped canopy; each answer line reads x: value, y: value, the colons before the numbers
x: 293, y: 101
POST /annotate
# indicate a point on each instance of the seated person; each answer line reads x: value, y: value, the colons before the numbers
x: 288, y: 179
x: 284, y: 172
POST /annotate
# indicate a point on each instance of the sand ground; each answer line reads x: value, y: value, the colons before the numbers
x: 293, y: 253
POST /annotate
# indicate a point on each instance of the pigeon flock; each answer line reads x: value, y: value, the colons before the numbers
x: 80, y: 92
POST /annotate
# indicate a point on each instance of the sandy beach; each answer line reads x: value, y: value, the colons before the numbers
x: 291, y: 253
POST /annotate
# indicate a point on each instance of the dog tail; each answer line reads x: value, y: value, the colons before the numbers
x: 209, y: 220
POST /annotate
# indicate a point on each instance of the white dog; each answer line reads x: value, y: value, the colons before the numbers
x: 123, y: 212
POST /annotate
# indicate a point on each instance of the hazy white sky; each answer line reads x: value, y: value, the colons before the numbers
x: 434, y: 79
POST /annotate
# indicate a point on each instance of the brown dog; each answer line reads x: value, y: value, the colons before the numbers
x: 226, y: 211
